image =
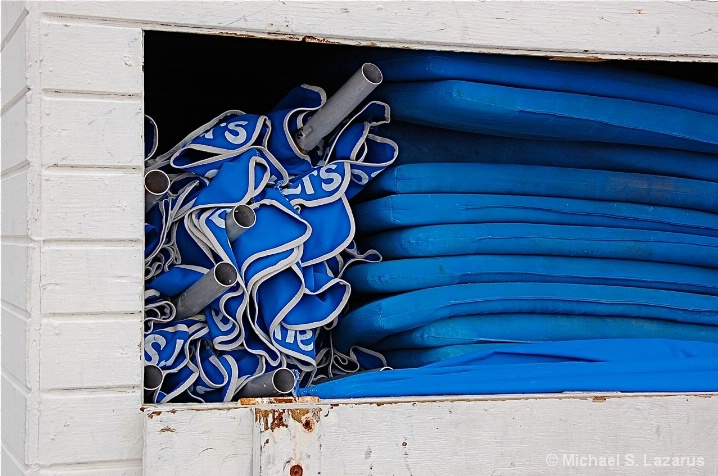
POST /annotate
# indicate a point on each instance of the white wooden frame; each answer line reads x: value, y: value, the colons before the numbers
x: 72, y: 106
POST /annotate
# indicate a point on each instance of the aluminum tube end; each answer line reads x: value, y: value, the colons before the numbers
x: 225, y: 274
x: 157, y: 183
x: 283, y: 381
x: 207, y: 289
x: 153, y: 377
x: 152, y: 382
x: 372, y: 73
x: 239, y: 220
x: 339, y: 106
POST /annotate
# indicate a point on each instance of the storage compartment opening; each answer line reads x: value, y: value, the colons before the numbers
x: 190, y: 79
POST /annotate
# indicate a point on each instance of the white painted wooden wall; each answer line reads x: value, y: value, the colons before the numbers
x: 72, y: 109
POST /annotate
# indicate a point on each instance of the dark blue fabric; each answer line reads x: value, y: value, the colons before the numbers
x: 408, y: 209
x: 419, y: 273
x: 543, y: 181
x: 497, y: 328
x: 533, y: 114
x: 626, y: 365
x: 421, y: 144
x: 550, y: 240
x: 410, y: 358
x: 543, y: 74
x: 372, y: 322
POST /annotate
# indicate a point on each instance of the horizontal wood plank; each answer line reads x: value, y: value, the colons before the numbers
x: 92, y: 205
x: 89, y: 427
x: 15, y: 272
x: 86, y: 58
x: 14, y: 78
x: 14, y: 345
x: 10, y: 12
x: 607, y: 29
x: 191, y: 442
x: 90, y: 132
x: 90, y: 353
x: 492, y: 434
x: 14, y: 414
x: 92, y: 279
x: 14, y: 204
x: 14, y: 131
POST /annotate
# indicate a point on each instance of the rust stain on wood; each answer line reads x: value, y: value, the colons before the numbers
x: 598, y: 399
x: 270, y: 419
x: 167, y: 429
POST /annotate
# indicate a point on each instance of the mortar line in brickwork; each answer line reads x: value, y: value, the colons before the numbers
x: 20, y: 386
x: 19, y: 312
x: 74, y: 392
x: 71, y: 93
x: 13, y: 29
x: 14, y: 100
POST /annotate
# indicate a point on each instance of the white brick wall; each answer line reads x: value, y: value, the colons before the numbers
x: 72, y: 245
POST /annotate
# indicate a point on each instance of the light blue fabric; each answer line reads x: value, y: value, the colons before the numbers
x: 625, y: 365
x: 394, y: 276
x: 550, y: 240
x: 534, y: 114
x: 408, y: 209
x: 367, y: 324
x: 422, y: 144
x: 496, y: 328
x: 542, y: 181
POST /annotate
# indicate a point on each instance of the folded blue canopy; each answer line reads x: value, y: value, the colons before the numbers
x: 551, y: 240
x: 403, y: 275
x: 547, y: 75
x: 417, y: 209
x: 527, y: 327
x: 543, y: 181
x: 421, y: 144
x: 535, y: 114
x: 372, y: 322
x: 626, y: 365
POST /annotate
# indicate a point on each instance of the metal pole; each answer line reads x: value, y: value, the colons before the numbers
x: 207, y: 289
x: 152, y: 382
x: 157, y: 183
x: 272, y: 384
x: 238, y: 220
x: 331, y: 114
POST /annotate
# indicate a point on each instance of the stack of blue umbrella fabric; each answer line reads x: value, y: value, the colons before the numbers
x: 546, y: 227
x: 276, y: 286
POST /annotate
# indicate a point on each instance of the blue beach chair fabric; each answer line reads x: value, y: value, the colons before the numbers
x: 539, y: 114
x: 397, y: 276
x: 546, y: 75
x: 409, y: 210
x: 624, y: 365
x: 422, y: 144
x: 372, y: 322
x: 534, y: 180
x: 288, y: 262
x: 550, y: 240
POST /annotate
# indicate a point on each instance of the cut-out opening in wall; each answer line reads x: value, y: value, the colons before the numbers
x: 191, y: 78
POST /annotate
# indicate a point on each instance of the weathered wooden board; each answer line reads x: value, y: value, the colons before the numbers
x: 500, y: 435
x: 607, y: 29
x: 92, y: 204
x: 92, y: 132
